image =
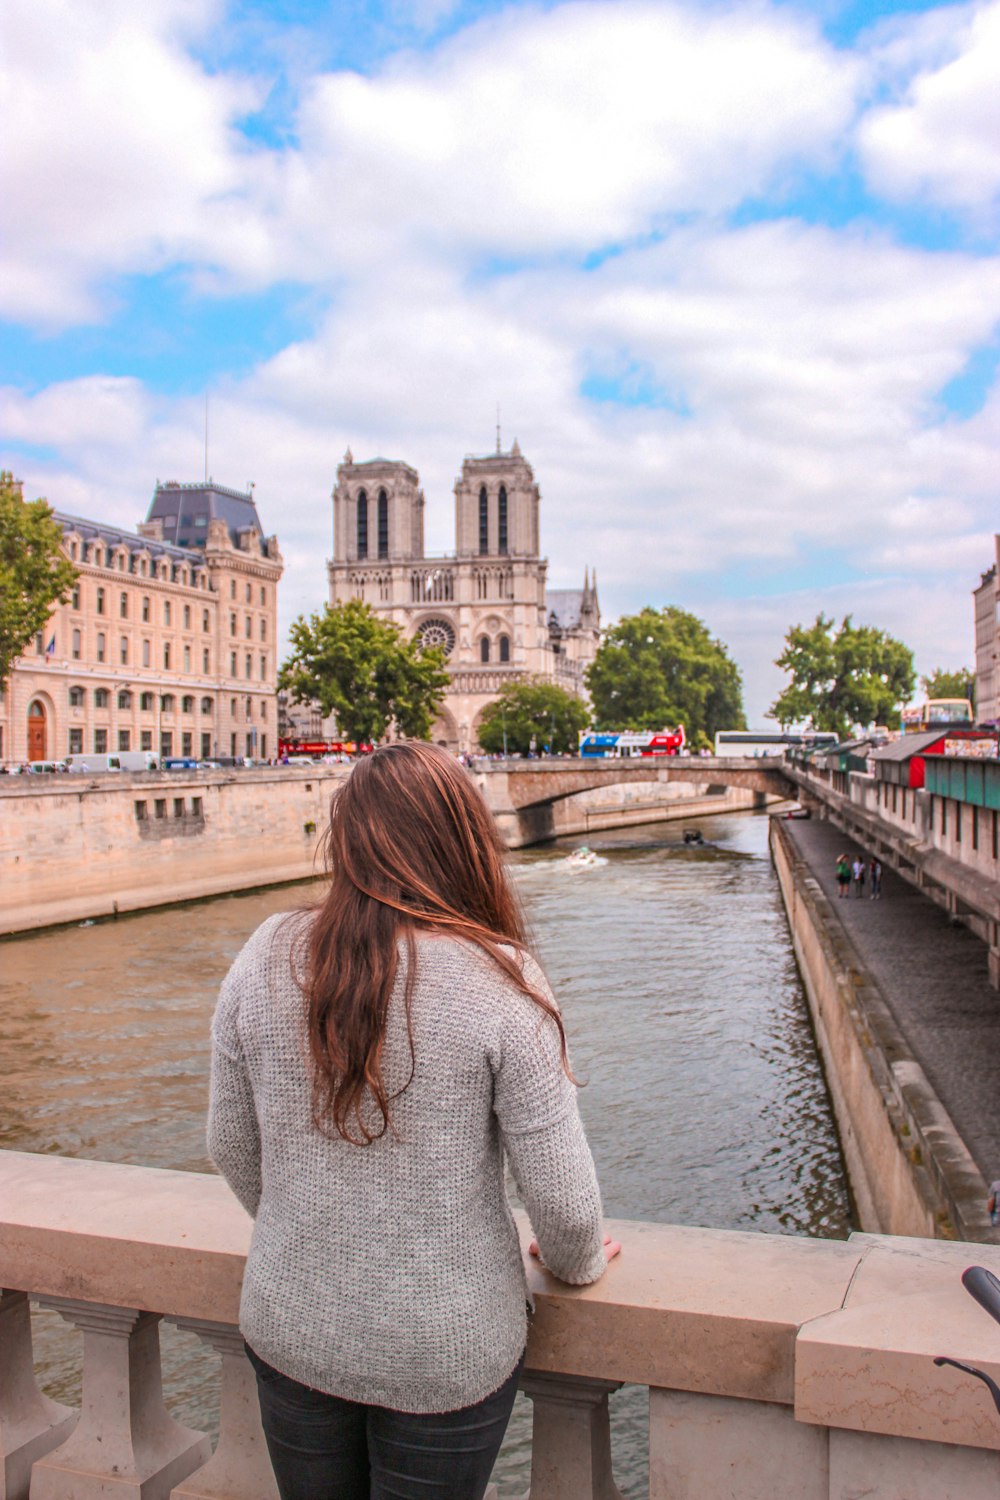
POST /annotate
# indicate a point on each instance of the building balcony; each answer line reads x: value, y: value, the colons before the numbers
x: 777, y: 1368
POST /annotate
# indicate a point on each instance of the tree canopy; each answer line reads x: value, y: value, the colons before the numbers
x: 843, y: 677
x: 942, y: 684
x: 357, y: 665
x: 34, y: 573
x: 538, y: 711
x: 661, y: 668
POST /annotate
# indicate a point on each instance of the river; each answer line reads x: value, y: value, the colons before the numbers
x: 704, y: 1100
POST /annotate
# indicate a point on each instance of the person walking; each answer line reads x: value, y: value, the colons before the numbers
x: 875, y: 878
x: 843, y: 876
x: 858, y: 873
x: 375, y: 1059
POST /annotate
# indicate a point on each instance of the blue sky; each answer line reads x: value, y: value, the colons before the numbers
x: 731, y: 271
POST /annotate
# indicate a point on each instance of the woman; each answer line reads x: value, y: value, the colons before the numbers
x: 373, y: 1062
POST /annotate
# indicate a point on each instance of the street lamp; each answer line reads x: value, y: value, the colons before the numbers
x: 503, y: 715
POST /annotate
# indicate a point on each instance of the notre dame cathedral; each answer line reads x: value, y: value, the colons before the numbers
x: 486, y: 603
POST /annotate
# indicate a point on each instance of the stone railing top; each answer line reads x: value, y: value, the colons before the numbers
x: 845, y: 1331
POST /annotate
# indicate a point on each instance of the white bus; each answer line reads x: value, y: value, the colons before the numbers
x: 759, y: 742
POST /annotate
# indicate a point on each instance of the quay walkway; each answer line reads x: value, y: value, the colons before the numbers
x: 933, y: 974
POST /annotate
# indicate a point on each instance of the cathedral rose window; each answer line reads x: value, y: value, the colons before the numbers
x: 437, y: 633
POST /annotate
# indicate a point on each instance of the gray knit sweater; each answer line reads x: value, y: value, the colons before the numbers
x: 392, y: 1273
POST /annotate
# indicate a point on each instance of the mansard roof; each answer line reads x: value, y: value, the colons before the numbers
x: 186, y: 509
x: 113, y: 536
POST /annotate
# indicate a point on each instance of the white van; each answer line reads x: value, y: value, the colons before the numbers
x: 120, y: 760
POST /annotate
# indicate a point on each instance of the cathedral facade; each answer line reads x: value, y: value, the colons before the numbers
x: 486, y: 603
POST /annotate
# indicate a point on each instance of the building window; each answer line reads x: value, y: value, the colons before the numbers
x: 145, y: 739
x: 505, y: 648
x: 263, y: 669
x: 248, y: 628
x: 232, y: 743
x: 383, y: 524
x: 76, y: 742
x: 101, y: 646
x: 40, y: 644
x: 263, y: 746
x: 362, y: 524
x: 187, y: 742
x: 100, y: 601
x: 204, y: 619
x: 232, y: 624
x: 123, y: 651
x: 125, y: 701
x: 250, y: 743
x: 166, y: 742
x: 187, y: 658
x: 233, y: 707
x: 166, y: 611
x: 502, y: 520
x: 187, y: 617
x: 145, y: 609
x: 140, y: 812
x: 249, y: 592
x: 76, y: 645
x: 484, y: 523
x: 123, y: 606
x: 166, y: 656
x: 101, y: 697
x: 484, y: 648
x: 232, y: 588
x: 146, y: 702
x: 249, y: 665
x: 205, y: 659
x: 263, y: 708
x: 76, y: 596
x: 146, y: 653
x: 263, y: 629
x: 161, y: 807
x: 232, y: 663
x: 206, y: 705
x: 124, y: 739
x: 167, y: 703
x: 196, y: 807
x: 76, y: 697
x: 263, y: 597
x: 206, y: 746
x: 187, y: 705
x: 100, y: 742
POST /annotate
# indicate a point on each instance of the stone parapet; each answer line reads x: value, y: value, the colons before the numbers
x: 778, y: 1367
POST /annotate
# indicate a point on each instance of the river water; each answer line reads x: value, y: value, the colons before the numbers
x: 704, y: 1100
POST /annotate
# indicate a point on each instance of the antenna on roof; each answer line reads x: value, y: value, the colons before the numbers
x: 206, y: 437
x: 498, y: 429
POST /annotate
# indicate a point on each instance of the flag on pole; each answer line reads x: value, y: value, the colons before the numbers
x: 50, y: 649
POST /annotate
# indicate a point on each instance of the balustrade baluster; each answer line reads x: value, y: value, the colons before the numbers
x: 239, y: 1469
x: 571, y: 1437
x: 30, y: 1423
x: 125, y: 1444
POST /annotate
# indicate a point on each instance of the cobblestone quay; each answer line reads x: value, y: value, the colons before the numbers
x: 933, y: 975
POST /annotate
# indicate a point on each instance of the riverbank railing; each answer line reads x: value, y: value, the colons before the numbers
x: 778, y: 1368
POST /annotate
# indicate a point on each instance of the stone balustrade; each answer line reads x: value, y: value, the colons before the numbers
x: 778, y: 1368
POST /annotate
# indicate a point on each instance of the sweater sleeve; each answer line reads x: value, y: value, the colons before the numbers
x: 233, y: 1130
x: 546, y: 1148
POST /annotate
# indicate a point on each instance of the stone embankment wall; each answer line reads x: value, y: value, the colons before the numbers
x: 910, y: 1172
x: 78, y: 847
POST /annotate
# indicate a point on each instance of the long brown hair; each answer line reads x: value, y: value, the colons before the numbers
x: 411, y: 845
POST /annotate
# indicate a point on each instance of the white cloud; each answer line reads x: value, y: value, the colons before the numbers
x: 939, y: 140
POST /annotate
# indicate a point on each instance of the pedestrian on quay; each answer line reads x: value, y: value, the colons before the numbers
x: 875, y: 878
x: 993, y: 1202
x: 843, y: 875
x: 375, y: 1060
x: 858, y: 873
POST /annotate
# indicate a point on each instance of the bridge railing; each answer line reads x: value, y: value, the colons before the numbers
x: 788, y: 1368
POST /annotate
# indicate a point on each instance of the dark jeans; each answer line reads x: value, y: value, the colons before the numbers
x: 325, y: 1448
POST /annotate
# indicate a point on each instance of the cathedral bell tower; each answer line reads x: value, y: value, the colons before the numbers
x: 378, y: 512
x: 496, y: 507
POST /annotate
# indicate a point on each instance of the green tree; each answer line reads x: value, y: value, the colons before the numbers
x: 661, y: 668
x: 942, y: 684
x: 357, y: 665
x: 842, y: 678
x: 34, y: 574
x: 537, y: 711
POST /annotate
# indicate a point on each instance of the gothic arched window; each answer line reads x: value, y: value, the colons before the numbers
x: 502, y: 520
x: 362, y: 524
x: 505, y: 648
x: 484, y: 648
x: 484, y: 523
x: 383, y: 524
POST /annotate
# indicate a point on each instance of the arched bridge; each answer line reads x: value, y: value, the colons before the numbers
x: 518, y: 792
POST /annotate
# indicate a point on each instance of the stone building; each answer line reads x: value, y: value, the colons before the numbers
x: 986, y: 601
x: 168, y: 643
x: 486, y: 603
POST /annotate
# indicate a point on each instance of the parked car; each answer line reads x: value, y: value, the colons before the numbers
x: 179, y: 763
x: 46, y: 767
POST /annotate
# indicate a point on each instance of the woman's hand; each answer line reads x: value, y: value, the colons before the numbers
x: 611, y: 1248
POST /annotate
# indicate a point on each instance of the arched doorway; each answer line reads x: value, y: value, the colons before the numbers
x: 36, y: 731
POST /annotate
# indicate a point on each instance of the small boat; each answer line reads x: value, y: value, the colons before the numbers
x: 693, y: 836
x: 582, y: 859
